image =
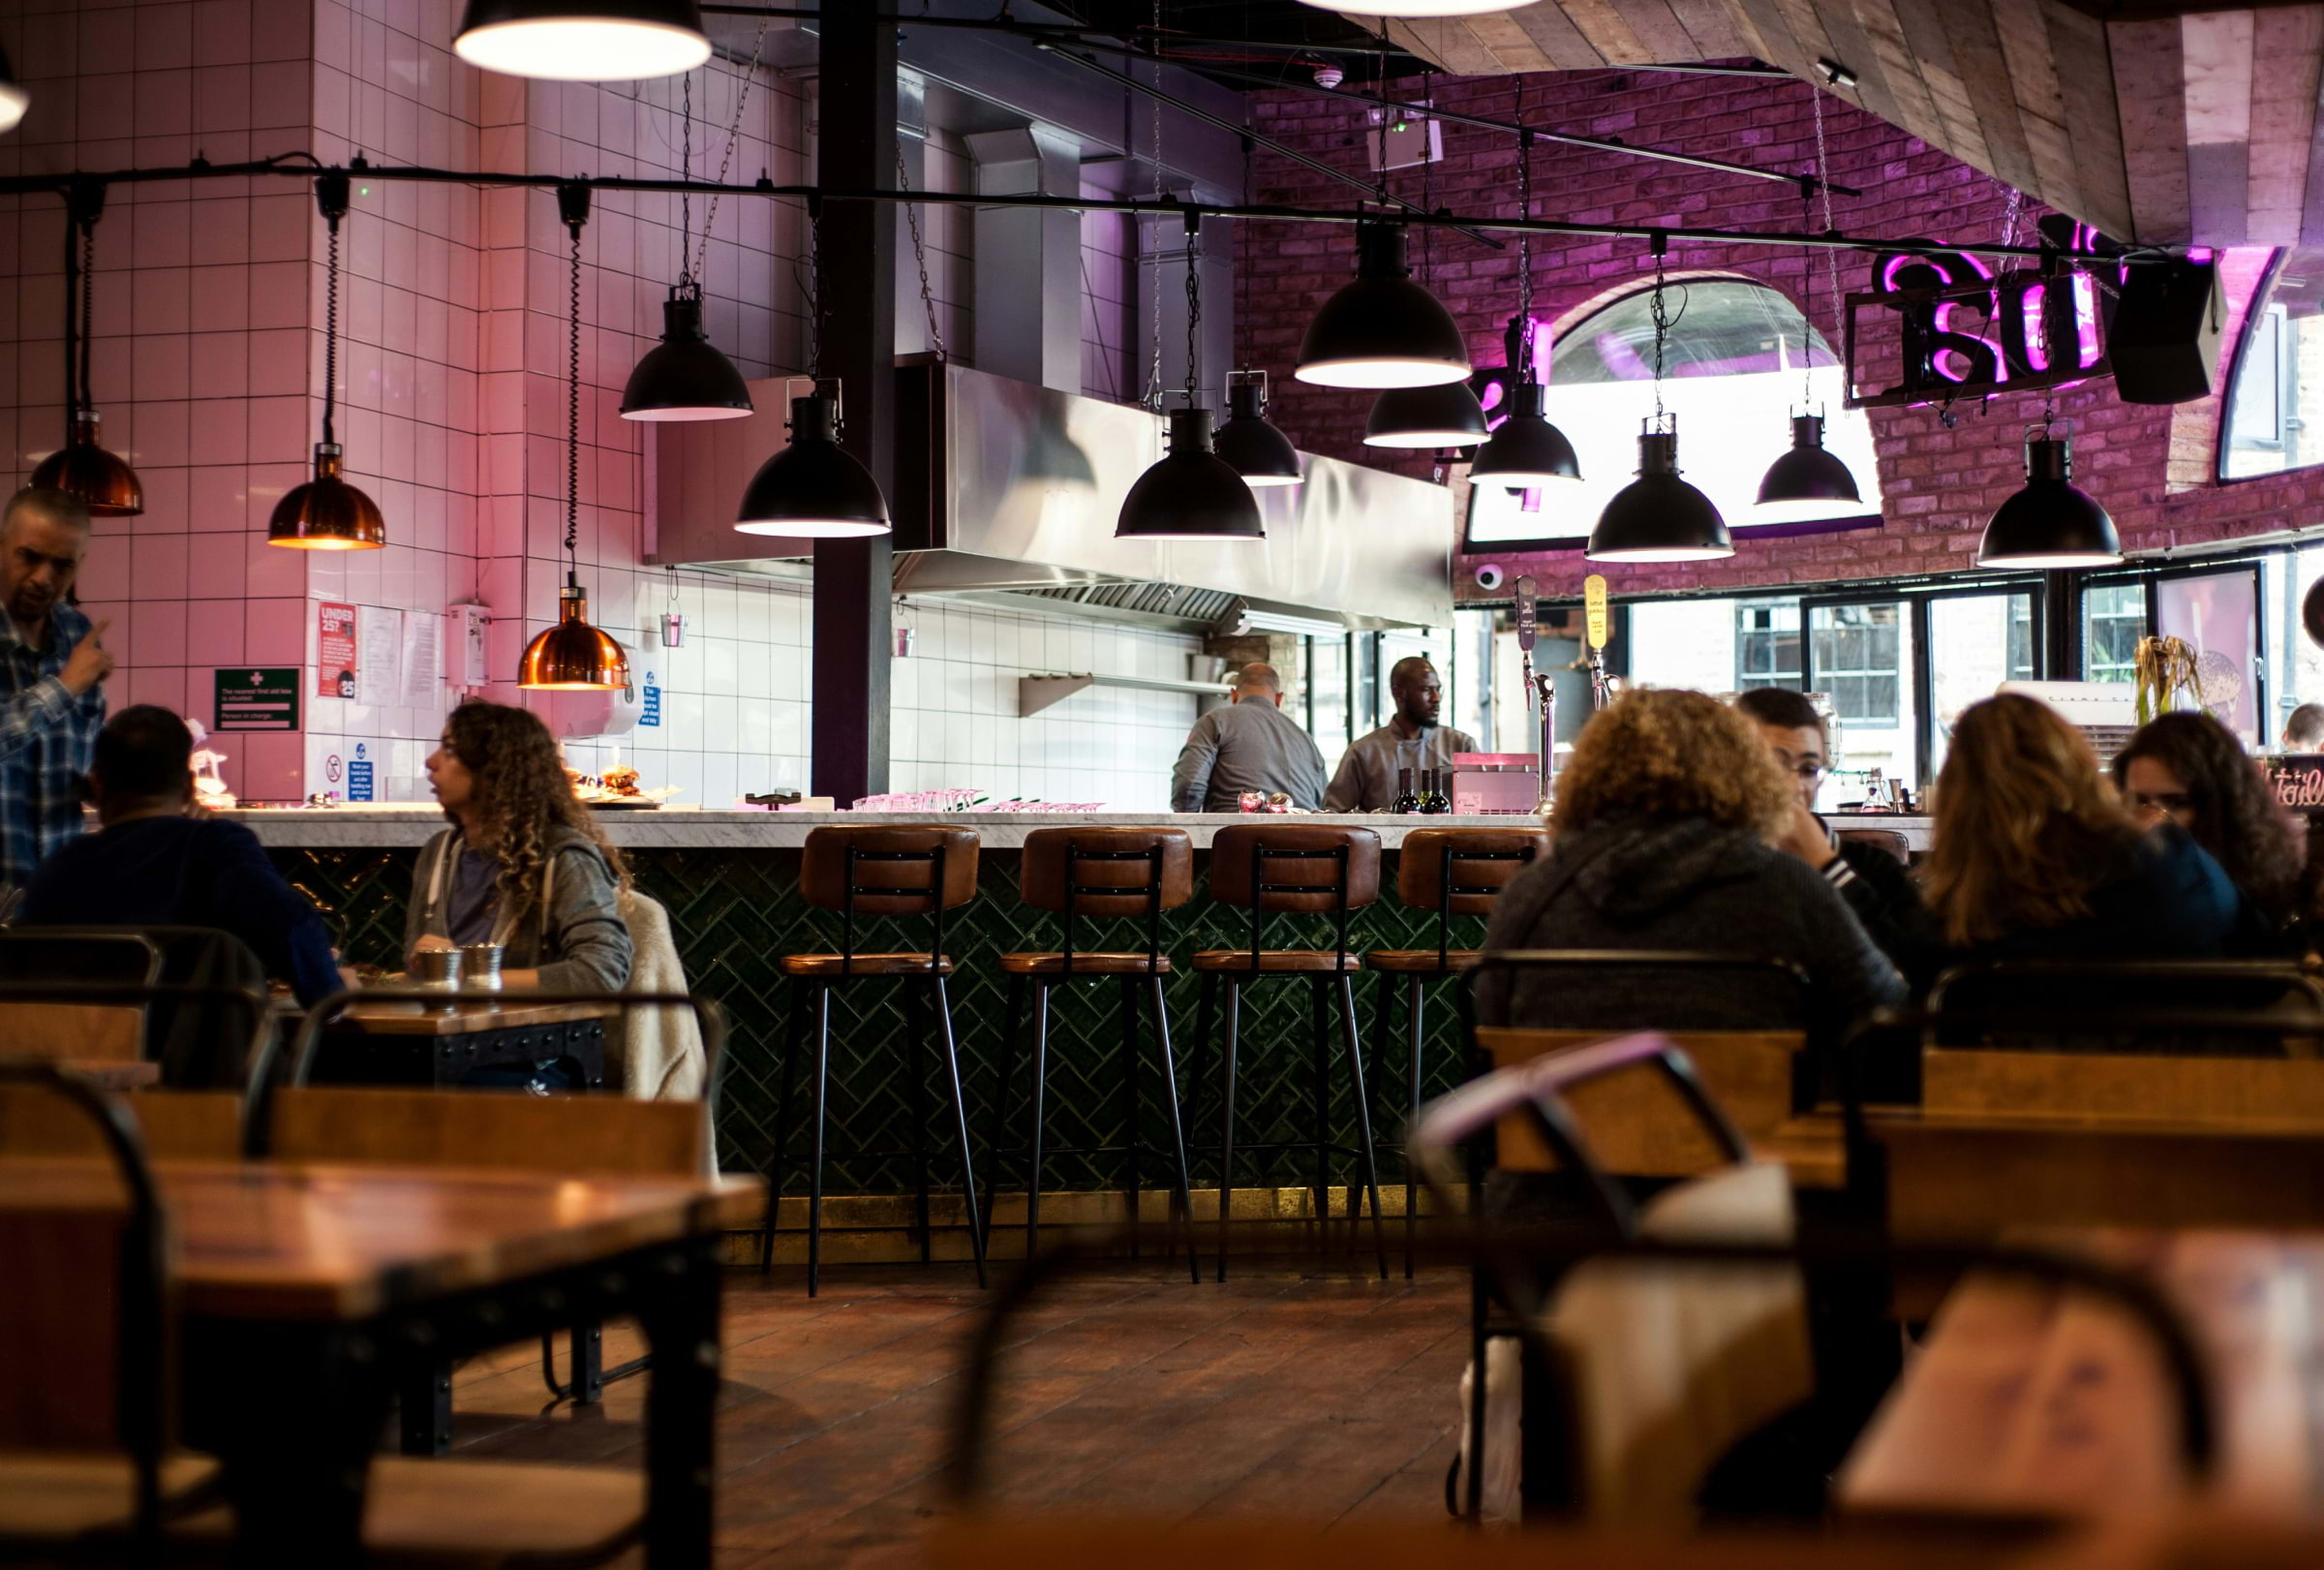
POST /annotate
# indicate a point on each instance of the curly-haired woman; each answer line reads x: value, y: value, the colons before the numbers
x: 2032, y: 856
x: 524, y: 865
x: 1668, y: 817
x: 2190, y: 768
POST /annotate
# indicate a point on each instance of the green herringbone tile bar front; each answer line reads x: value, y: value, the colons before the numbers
x: 736, y: 913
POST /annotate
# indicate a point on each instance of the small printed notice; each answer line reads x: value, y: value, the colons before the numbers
x: 265, y: 698
x: 379, y: 655
x: 649, y: 701
x: 334, y: 650
x: 423, y: 638
x: 358, y: 774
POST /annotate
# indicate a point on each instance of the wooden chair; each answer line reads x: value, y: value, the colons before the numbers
x: 101, y: 958
x: 1452, y: 873
x: 296, y: 1121
x: 95, y: 1023
x: 1082, y: 873
x: 1290, y: 867
x: 86, y: 1426
x: 1892, y: 841
x: 2090, y: 1005
x: 181, y: 1031
x: 173, y: 1125
x: 877, y: 872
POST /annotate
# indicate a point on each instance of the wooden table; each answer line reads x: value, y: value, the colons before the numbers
x: 2028, y: 1401
x: 113, y: 1073
x: 310, y: 1292
x: 405, y: 1042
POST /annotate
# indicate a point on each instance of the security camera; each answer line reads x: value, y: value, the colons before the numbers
x: 1328, y: 76
x: 1491, y: 576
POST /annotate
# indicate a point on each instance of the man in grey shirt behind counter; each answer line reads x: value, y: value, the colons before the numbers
x: 1249, y: 745
x: 1366, y: 781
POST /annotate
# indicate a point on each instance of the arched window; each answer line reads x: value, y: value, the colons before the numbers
x: 1732, y: 371
x: 2279, y: 375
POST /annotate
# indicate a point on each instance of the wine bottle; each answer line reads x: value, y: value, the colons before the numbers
x: 1432, y: 798
x: 1406, y: 801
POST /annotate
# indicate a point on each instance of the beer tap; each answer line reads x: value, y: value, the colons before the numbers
x: 1541, y: 688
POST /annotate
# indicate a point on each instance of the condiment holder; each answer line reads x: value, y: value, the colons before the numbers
x: 438, y: 969
x: 480, y: 967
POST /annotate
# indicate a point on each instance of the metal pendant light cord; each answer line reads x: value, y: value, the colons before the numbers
x: 88, y: 268
x: 1662, y: 325
x: 734, y: 136
x: 686, y: 172
x: 1823, y: 184
x: 1525, y: 251
x: 331, y: 331
x: 572, y: 206
x: 1194, y: 306
x: 1807, y: 298
x: 814, y: 292
x: 912, y: 219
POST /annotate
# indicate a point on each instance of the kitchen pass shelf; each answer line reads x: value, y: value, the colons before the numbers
x: 1037, y: 692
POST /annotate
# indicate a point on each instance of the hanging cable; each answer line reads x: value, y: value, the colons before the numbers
x: 1823, y: 184
x: 572, y: 208
x: 1153, y: 371
x: 1525, y: 257
x: 330, y: 191
x: 1659, y: 243
x: 911, y: 220
x: 1194, y: 306
x: 686, y: 172
x: 814, y: 291
x: 86, y: 218
x: 1807, y: 298
x: 734, y: 136
x: 1242, y: 270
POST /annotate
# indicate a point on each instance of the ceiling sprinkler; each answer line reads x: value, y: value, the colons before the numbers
x: 1330, y: 77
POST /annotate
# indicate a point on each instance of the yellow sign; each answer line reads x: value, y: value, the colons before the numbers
x: 1593, y: 600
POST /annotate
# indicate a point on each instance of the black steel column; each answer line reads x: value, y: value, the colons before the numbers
x: 2062, y: 626
x: 856, y: 150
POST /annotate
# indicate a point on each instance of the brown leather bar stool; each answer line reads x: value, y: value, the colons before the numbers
x: 888, y: 871
x: 1453, y: 872
x: 1081, y: 873
x: 1293, y: 868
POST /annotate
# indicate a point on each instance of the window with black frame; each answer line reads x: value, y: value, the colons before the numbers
x: 2113, y: 619
x: 1767, y: 644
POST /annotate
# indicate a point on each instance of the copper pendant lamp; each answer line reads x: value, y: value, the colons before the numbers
x: 574, y: 656
x: 326, y: 512
x: 102, y: 482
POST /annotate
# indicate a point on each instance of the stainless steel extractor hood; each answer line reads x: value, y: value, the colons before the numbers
x: 1005, y: 487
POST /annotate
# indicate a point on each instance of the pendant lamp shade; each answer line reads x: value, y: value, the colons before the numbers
x: 1807, y: 482
x: 583, y: 40
x: 1191, y: 493
x: 2050, y: 523
x: 1383, y: 330
x: 1445, y: 416
x: 1416, y: 9
x: 326, y: 512
x: 1526, y: 452
x: 14, y: 99
x: 1659, y: 518
x: 685, y: 377
x: 574, y: 656
x: 814, y: 488
x: 1250, y: 444
x: 106, y: 484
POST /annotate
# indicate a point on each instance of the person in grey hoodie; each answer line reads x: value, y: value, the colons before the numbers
x: 524, y: 865
x: 1666, y: 820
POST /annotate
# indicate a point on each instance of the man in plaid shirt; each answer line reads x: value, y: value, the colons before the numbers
x: 53, y: 665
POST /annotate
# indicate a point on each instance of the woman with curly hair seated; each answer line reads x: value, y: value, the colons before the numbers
x: 2190, y: 769
x: 524, y: 865
x: 1666, y: 820
x: 2032, y: 855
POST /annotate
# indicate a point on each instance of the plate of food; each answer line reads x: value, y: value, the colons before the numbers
x: 616, y: 789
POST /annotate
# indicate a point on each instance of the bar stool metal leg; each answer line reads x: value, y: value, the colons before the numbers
x: 1363, y: 1115
x: 796, y: 1049
x: 1032, y: 1182
x: 1129, y: 1106
x: 1226, y: 1125
x: 1412, y: 1114
x: 959, y: 1118
x: 1320, y: 1056
x: 1198, y: 1071
x: 915, y: 1075
x: 1182, y: 1202
x: 1004, y: 1090
x: 815, y: 1191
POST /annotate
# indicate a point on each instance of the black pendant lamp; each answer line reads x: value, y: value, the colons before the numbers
x: 1808, y: 483
x: 326, y: 512
x: 814, y: 488
x: 573, y: 655
x: 1250, y: 442
x: 1383, y: 330
x: 1445, y: 416
x: 1191, y: 492
x: 103, y: 481
x: 14, y: 99
x: 2051, y: 522
x: 1658, y: 516
x: 1525, y: 452
x: 583, y: 40
x: 685, y: 377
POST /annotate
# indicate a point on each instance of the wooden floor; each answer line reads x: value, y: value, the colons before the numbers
x: 1328, y: 1395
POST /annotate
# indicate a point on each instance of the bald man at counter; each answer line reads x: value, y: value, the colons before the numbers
x: 1412, y: 739
x: 1249, y: 745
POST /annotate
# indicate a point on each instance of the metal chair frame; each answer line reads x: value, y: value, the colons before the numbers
x: 1415, y: 1025
x: 1181, y: 1195
x: 915, y: 1027
x: 1328, y: 992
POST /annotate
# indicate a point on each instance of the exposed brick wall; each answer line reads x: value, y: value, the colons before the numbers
x: 2150, y: 466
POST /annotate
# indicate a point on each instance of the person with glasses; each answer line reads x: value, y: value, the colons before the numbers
x: 2190, y: 769
x: 1877, y: 887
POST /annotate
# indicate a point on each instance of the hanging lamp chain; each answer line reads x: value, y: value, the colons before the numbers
x: 84, y: 203
x: 1806, y: 300
x: 685, y: 172
x: 572, y: 206
x: 331, y: 198
x: 1243, y: 271
x: 912, y: 219
x: 1661, y: 321
x: 814, y: 292
x: 1194, y: 306
x: 1526, y: 252
x: 734, y: 136
x: 1153, y: 371
x: 1831, y: 254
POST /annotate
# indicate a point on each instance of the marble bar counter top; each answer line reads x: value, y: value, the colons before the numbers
x: 409, y: 825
